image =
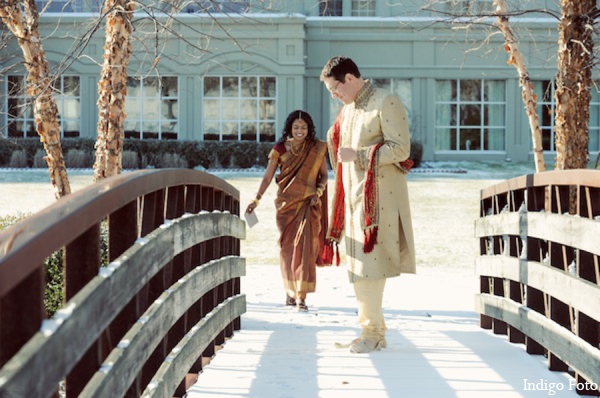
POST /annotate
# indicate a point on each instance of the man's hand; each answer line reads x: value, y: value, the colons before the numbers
x: 347, y: 155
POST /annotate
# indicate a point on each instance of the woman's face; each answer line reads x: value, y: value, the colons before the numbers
x: 299, y: 130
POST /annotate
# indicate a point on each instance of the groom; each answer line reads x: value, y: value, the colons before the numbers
x: 369, y: 146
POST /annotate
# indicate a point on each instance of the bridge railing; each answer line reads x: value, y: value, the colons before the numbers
x: 140, y: 323
x: 538, y: 268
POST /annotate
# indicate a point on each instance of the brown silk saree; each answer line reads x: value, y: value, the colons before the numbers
x: 302, y: 227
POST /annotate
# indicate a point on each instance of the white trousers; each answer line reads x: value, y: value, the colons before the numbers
x: 369, y: 295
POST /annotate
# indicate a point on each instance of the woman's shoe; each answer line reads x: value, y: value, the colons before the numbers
x: 301, y: 305
x: 290, y: 301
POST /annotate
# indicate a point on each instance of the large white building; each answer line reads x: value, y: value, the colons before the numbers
x: 236, y: 75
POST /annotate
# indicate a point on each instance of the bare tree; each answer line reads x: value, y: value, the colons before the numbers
x: 528, y: 94
x: 573, y: 83
x: 21, y: 18
x: 112, y: 88
x: 574, y: 73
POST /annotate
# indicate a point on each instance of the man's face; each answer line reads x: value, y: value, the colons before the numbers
x: 338, y: 89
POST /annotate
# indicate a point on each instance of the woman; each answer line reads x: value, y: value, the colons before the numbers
x: 301, y: 204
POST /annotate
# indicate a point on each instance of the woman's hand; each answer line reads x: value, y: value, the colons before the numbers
x: 251, y: 207
x: 314, y: 200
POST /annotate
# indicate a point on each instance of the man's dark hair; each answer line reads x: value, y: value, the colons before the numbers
x: 337, y: 67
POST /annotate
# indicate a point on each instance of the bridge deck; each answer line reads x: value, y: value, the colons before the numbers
x: 435, y: 345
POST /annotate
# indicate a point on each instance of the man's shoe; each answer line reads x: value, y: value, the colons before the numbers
x: 364, y: 346
x: 382, y: 343
x: 347, y: 345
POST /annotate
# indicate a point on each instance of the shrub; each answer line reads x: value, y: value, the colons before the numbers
x: 78, y: 159
x: 416, y: 152
x: 262, y: 157
x: 130, y: 160
x: 138, y: 153
x: 200, y: 154
x: 246, y: 155
x: 39, y: 160
x: 18, y: 159
x: 53, y: 265
x: 10, y: 219
x: 169, y: 160
x: 224, y: 155
x: 54, y: 289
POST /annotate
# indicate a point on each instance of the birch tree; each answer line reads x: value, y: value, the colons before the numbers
x: 112, y: 88
x: 575, y: 49
x: 22, y: 19
x: 573, y: 83
x: 528, y: 94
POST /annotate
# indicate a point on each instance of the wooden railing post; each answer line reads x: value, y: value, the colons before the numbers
x: 548, y: 241
x: 136, y: 274
x: 81, y: 264
x: 15, y: 329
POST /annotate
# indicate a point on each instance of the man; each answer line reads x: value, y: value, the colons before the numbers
x: 369, y: 146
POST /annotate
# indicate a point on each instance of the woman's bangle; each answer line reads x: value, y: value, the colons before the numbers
x: 320, y: 189
x: 258, y: 196
x: 256, y: 202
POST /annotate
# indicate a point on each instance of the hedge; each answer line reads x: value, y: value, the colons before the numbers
x: 80, y: 153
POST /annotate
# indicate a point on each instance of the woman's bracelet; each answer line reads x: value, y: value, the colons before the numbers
x: 255, y: 201
x: 320, y: 190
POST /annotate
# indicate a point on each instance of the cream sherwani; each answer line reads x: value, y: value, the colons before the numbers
x: 376, y: 116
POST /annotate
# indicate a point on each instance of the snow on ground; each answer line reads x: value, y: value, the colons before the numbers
x: 436, y: 348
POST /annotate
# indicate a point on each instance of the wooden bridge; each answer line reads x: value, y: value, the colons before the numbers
x: 140, y: 322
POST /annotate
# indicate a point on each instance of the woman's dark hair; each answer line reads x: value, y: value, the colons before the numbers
x: 293, y: 116
x: 338, y: 67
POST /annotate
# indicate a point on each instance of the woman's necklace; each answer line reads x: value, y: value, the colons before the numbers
x: 296, y: 150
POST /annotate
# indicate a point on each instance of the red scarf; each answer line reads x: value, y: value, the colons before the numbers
x: 370, y: 224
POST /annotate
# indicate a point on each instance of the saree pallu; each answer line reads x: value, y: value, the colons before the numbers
x: 302, y: 227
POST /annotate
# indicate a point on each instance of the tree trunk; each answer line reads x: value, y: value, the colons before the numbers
x: 529, y: 98
x: 573, y: 82
x: 39, y: 86
x: 112, y: 88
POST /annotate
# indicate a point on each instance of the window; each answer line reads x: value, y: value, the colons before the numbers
x: 218, y: 6
x: 67, y: 97
x: 66, y: 94
x: 69, y: 5
x: 363, y: 8
x: 151, y: 106
x: 594, y: 127
x: 330, y: 8
x: 545, y: 109
x: 544, y: 89
x: 20, y: 109
x: 239, y: 108
x: 470, y: 7
x: 400, y: 87
x: 470, y: 115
